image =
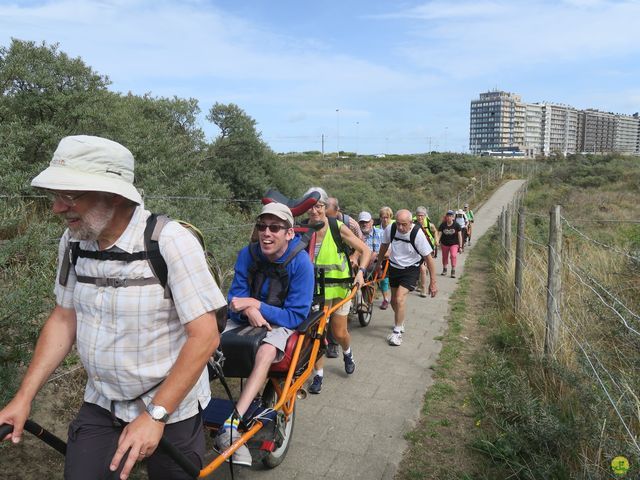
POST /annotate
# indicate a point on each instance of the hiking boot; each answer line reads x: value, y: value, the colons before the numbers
x: 316, y: 385
x: 384, y: 305
x: 444, y: 271
x: 332, y: 350
x: 349, y: 364
x: 241, y: 456
x: 453, y: 273
x: 395, y: 339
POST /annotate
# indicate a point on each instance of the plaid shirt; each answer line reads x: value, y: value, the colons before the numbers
x: 129, y: 338
x: 373, y: 239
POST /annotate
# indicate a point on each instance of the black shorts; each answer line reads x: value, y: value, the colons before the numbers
x: 406, y: 277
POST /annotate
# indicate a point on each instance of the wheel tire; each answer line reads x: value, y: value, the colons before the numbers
x: 275, y: 458
x: 364, y: 317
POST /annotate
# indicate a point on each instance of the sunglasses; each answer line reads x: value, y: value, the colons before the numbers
x: 273, y: 228
x: 66, y: 198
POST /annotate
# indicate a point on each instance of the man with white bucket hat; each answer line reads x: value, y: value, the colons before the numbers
x: 145, y: 352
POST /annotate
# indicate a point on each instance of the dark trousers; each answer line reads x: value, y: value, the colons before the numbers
x: 93, y: 440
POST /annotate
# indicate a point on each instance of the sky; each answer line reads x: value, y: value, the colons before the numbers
x: 368, y: 76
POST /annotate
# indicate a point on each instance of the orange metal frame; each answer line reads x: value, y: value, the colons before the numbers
x: 286, y: 396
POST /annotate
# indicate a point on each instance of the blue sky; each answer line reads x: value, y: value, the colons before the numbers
x: 372, y: 76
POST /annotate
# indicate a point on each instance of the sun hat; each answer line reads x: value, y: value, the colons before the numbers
x: 450, y: 212
x: 460, y: 212
x: 86, y: 163
x: 421, y: 211
x: 466, y: 205
x: 279, y: 210
x: 364, y: 217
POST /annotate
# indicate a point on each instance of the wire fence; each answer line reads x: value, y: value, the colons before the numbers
x: 585, y: 313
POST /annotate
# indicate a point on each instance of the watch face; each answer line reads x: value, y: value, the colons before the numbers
x: 158, y: 413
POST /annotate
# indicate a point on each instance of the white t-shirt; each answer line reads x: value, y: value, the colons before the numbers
x: 401, y: 253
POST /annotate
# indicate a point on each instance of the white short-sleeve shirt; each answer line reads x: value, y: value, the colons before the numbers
x: 401, y: 253
x: 129, y: 338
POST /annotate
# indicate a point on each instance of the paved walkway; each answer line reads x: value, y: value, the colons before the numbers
x: 354, y: 429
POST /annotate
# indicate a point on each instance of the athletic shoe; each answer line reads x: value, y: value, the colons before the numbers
x: 332, y: 350
x: 453, y: 273
x: 384, y: 305
x: 395, y: 339
x: 349, y: 364
x: 444, y: 271
x: 316, y: 385
x: 241, y: 456
x: 423, y: 294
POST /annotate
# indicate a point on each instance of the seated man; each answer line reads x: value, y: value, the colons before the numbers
x: 257, y: 298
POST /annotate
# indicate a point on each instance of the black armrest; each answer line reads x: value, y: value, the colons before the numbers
x: 297, y: 205
x: 314, y: 317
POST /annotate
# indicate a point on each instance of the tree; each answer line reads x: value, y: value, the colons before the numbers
x: 241, y: 158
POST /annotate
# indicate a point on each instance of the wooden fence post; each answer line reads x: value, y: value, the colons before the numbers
x: 502, y: 233
x: 554, y: 282
x: 517, y: 304
x: 507, y: 236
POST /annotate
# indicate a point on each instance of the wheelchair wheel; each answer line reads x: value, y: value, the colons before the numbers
x: 365, y: 305
x: 284, y: 429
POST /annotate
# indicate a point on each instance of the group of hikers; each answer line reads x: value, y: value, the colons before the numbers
x: 135, y: 295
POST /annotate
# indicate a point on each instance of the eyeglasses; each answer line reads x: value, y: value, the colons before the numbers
x: 273, y: 228
x: 66, y: 198
x: 318, y: 206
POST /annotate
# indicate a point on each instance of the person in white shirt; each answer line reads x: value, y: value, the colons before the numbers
x: 408, y: 247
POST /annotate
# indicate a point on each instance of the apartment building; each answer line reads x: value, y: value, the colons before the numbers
x: 500, y: 122
x: 560, y: 125
x: 497, y: 122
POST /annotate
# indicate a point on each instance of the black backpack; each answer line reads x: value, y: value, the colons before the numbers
x: 277, y: 274
x: 412, y: 236
x: 151, y: 253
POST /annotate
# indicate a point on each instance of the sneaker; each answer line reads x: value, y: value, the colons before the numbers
x: 349, y: 363
x: 316, y: 385
x: 423, y: 294
x: 395, y: 339
x: 332, y: 350
x: 241, y: 456
x: 453, y: 273
x: 384, y: 305
x: 444, y: 271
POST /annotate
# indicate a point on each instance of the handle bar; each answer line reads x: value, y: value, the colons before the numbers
x: 38, y: 431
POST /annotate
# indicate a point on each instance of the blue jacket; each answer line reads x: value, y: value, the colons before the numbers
x: 301, y: 283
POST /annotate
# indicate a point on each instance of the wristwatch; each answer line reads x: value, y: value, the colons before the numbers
x: 363, y: 270
x: 158, y: 413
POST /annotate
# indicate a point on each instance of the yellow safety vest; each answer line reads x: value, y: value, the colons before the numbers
x: 336, y: 266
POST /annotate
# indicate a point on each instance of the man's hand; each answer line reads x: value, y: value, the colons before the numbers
x: 239, y: 304
x: 138, y: 440
x: 256, y: 319
x: 15, y: 413
x: 433, y: 289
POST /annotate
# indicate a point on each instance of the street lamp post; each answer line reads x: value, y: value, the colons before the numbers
x: 357, y: 137
x: 337, y: 132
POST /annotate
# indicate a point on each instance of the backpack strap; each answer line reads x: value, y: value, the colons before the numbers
x: 70, y: 258
x: 337, y: 238
x: 155, y: 224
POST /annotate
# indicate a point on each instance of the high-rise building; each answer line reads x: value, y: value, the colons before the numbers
x: 501, y: 123
x: 497, y: 122
x: 560, y: 125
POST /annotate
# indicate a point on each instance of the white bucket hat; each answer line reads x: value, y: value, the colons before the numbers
x: 86, y: 163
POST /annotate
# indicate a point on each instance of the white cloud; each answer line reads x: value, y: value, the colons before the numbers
x: 518, y: 35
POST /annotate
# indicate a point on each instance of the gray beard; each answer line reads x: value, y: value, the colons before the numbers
x: 94, y: 222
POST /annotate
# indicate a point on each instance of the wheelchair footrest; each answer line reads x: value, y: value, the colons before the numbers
x: 219, y: 409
